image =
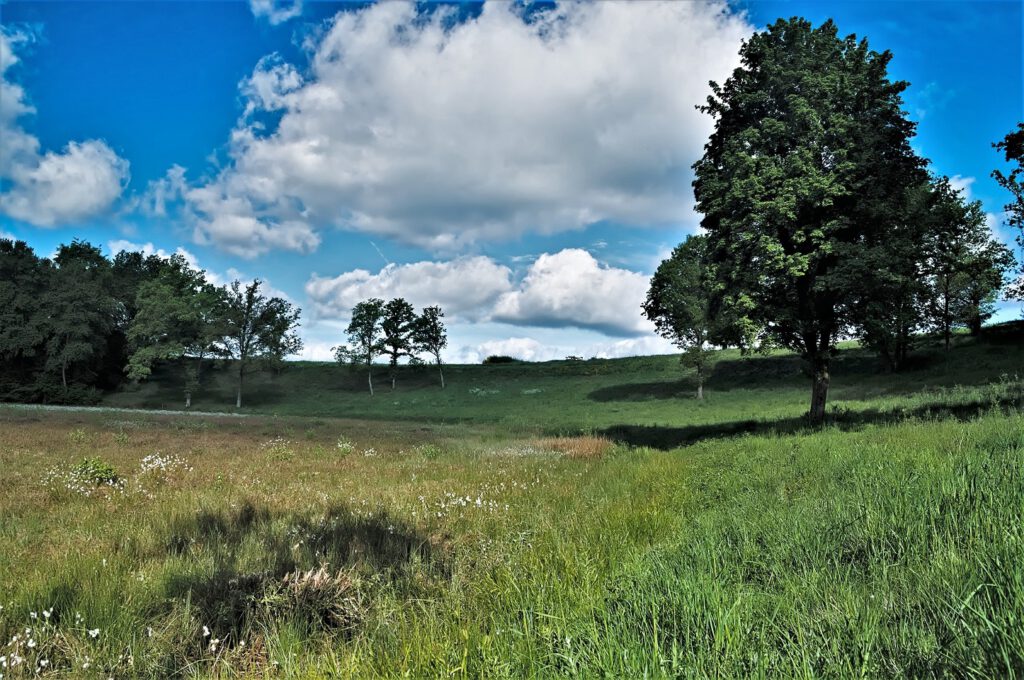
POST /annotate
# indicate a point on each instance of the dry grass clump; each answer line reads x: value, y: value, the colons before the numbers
x: 577, y: 447
x: 329, y: 599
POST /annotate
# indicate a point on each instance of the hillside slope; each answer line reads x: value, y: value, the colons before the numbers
x: 612, y: 394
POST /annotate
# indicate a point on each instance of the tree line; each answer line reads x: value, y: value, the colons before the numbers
x: 394, y: 330
x: 820, y: 221
x: 79, y: 323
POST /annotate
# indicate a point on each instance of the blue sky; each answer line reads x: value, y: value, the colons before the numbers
x: 527, y: 175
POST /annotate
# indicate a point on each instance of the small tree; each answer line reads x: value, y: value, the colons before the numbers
x: 176, y: 318
x: 430, y: 336
x: 681, y: 305
x: 256, y: 327
x: 365, y: 335
x: 397, y: 326
x: 964, y: 265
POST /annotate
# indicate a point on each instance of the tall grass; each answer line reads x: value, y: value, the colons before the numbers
x: 888, y: 549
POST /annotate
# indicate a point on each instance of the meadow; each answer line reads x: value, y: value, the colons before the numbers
x: 568, y: 519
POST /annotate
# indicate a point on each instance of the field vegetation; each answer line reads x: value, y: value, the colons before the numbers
x: 579, y: 518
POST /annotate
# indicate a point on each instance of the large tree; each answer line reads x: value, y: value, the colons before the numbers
x: 682, y: 304
x: 429, y: 335
x: 24, y: 281
x: 81, y: 313
x: 397, y: 326
x: 256, y: 328
x: 1012, y: 148
x: 365, y: 336
x: 805, y: 170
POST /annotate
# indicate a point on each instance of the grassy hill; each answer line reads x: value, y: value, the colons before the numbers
x: 614, y: 395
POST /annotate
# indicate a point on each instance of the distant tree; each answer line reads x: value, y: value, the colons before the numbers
x: 806, y: 166
x: 81, y: 312
x: 365, y: 335
x: 1012, y: 147
x: 681, y: 304
x: 430, y: 336
x: 177, y: 317
x: 256, y: 328
x: 887, y: 282
x: 964, y: 266
x: 397, y: 328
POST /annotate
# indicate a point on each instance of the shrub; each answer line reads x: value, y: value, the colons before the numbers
x: 501, y: 359
x: 97, y: 472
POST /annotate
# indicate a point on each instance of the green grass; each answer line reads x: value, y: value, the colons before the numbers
x: 735, y: 542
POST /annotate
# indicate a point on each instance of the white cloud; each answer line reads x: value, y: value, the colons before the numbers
x: 571, y: 288
x: 54, y: 188
x: 464, y: 288
x: 441, y: 133
x: 962, y: 184
x: 565, y: 289
x: 530, y: 349
x: 161, y: 192
x: 276, y: 11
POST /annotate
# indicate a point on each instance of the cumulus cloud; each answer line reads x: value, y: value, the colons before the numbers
x: 52, y: 188
x: 275, y: 11
x: 530, y: 349
x: 571, y: 288
x: 438, y: 132
x: 162, y: 192
x: 565, y: 289
x: 465, y: 288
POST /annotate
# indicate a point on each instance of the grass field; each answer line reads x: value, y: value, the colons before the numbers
x: 581, y: 519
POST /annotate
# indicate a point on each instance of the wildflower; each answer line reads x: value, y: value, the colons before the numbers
x: 31, y: 643
x: 206, y: 632
x: 94, y: 633
x: 47, y: 613
x: 213, y: 644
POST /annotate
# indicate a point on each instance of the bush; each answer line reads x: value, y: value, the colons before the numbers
x: 96, y: 472
x: 501, y: 359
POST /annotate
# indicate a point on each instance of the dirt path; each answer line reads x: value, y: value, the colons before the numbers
x: 111, y: 409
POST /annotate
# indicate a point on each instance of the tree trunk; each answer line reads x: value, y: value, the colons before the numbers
x: 392, y: 382
x: 819, y: 391
x: 439, y: 370
x: 238, y: 397
x: 975, y: 324
x: 64, y: 374
x: 188, y: 399
x: 369, y: 377
x: 700, y: 383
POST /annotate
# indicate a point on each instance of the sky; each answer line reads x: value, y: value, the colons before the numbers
x: 525, y: 166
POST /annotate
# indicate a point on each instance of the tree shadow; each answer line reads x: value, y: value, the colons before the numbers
x: 665, y: 437
x: 257, y: 553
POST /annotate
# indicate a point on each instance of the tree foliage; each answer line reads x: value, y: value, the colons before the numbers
x: 397, y: 326
x: 256, y: 328
x: 430, y: 336
x: 365, y: 336
x: 682, y: 302
x: 1012, y: 148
